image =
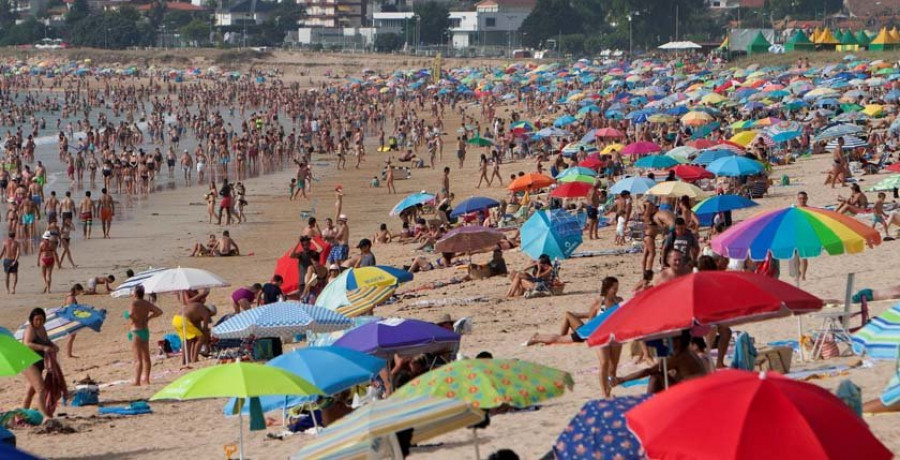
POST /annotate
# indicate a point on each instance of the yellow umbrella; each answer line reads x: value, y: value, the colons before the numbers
x: 673, y: 188
x: 612, y: 148
x: 713, y: 98
x: 873, y: 110
x: 743, y: 138
x: 696, y: 118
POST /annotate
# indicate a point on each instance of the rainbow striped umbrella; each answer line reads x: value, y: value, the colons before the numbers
x: 802, y: 231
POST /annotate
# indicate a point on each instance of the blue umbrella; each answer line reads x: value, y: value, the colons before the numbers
x: 549, y: 132
x: 332, y: 369
x: 656, y: 162
x: 475, y: 203
x: 410, y: 201
x: 708, y: 156
x: 8, y: 452
x: 406, y: 337
x: 880, y: 338
x: 280, y: 319
x: 564, y: 120
x: 599, y: 430
x: 555, y: 233
x: 633, y: 185
x: 576, y: 171
x: 722, y: 203
x: 735, y: 166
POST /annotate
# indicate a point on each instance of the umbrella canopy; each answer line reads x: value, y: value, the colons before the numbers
x: 702, y: 298
x: 850, y: 142
x: 555, y: 233
x: 722, y: 203
x: 15, y: 357
x: 182, y: 279
x: 427, y: 417
x: 412, y: 200
x: 576, y: 171
x: 633, y: 185
x: 585, y: 178
x: 705, y: 157
x: 358, y: 290
x: 886, y: 184
x: 880, y: 338
x: 735, y: 166
x: 677, y: 189
x: 468, y: 239
x: 691, y: 173
x: 9, y: 452
x: 480, y: 141
x: 788, y: 231
x: 696, y: 118
x: 474, y: 204
x: 575, y: 189
x: 837, y: 131
x: 529, y: 182
x: 757, y: 416
x: 598, y: 431
x: 236, y: 380
x: 406, y: 337
x: 683, y: 154
x: 63, y: 321
x: 489, y: 383
x: 127, y: 287
x: 281, y: 319
x: 641, y: 148
x: 607, y: 133
x: 656, y: 162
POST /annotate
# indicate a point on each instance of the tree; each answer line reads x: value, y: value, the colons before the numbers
x: 387, y: 42
x: 77, y: 12
x: 28, y: 31
x: 176, y: 19
x: 196, y: 31
x: 547, y: 20
x: 433, y: 22
x: 572, y: 44
x: 7, y: 17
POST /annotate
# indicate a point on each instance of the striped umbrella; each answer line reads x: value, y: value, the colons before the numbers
x: 126, y: 288
x: 785, y: 131
x: 426, y: 416
x: 281, y: 319
x: 837, y: 131
x: 766, y: 139
x: 850, y: 143
x: 880, y: 339
x: 67, y: 320
x: 359, y: 290
x: 708, y: 156
x: 683, y: 154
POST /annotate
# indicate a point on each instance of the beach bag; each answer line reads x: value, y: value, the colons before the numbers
x: 86, y: 395
x: 829, y: 348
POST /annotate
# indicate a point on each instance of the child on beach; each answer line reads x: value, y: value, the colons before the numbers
x: 291, y: 188
x: 620, y: 228
x: 878, y: 214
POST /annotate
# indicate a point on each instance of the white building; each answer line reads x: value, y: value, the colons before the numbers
x: 333, y: 13
x: 494, y: 23
x: 246, y: 12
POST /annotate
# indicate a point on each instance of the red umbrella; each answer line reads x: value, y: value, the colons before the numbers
x: 701, y: 144
x: 691, y: 173
x: 734, y: 147
x: 748, y: 416
x: 575, y: 189
x: 289, y: 268
x: 592, y: 162
x: 641, y: 148
x: 705, y: 298
x: 608, y: 132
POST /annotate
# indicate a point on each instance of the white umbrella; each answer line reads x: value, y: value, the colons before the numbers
x: 182, y: 279
x: 680, y: 46
x: 127, y: 287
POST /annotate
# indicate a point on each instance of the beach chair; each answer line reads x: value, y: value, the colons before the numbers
x: 553, y: 286
x: 635, y: 230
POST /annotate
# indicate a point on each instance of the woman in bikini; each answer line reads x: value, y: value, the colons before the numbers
x: 47, y: 258
x: 651, y: 230
x: 37, y: 339
x: 857, y: 203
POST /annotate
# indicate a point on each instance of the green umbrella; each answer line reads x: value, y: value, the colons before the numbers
x: 577, y: 178
x: 480, y: 141
x: 489, y: 383
x: 237, y: 380
x: 15, y: 357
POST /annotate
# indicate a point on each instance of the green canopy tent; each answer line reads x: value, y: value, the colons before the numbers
x: 848, y: 42
x: 799, y: 42
x: 758, y: 45
x: 862, y: 38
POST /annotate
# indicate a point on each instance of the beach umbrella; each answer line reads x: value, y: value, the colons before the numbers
x: 655, y: 162
x: 850, y: 143
x: 598, y: 430
x: 705, y: 298
x: 405, y: 337
x: 474, y: 204
x: 682, y: 154
x: 880, y: 338
x: 616, y: 147
x: 785, y: 232
x: 414, y: 199
x: 785, y: 131
x: 564, y: 120
x: 696, y: 118
x: 521, y: 127
x: 358, y: 290
x: 576, y: 171
x: 837, y: 131
x: 127, y: 287
x: 427, y: 417
x: 604, y: 133
x: 10, y: 452
x: 592, y: 162
x: 573, y: 148
x: 759, y: 416
x: 641, y: 148
x: 550, y: 132
x: 691, y: 173
x: 280, y: 319
x: 490, y: 383
x: 735, y: 166
x: 331, y: 369
x: 585, y: 178
x: 575, y: 189
x: 676, y: 189
x: 63, y: 321
x: 886, y: 184
x: 700, y: 144
x: 479, y: 141
x: 530, y: 182
x: 236, y: 380
x: 14, y: 357
x: 633, y: 185
x: 555, y: 233
x: 468, y: 239
x: 182, y: 279
x: 722, y: 203
x: 662, y: 118
x: 743, y: 138
x: 706, y: 157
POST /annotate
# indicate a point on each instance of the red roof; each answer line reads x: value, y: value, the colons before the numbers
x: 173, y: 6
x: 867, y: 8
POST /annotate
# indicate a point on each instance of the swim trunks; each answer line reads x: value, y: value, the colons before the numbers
x: 10, y: 266
x: 339, y: 253
x: 51, y: 216
x: 87, y: 218
x: 67, y: 215
x: 36, y: 199
x: 105, y: 214
x: 142, y: 334
x: 28, y: 218
x: 186, y: 328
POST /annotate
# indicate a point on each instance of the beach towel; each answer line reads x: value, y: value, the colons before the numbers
x: 183, y: 328
x: 54, y: 383
x: 744, y: 353
x: 257, y: 419
x: 850, y: 393
x: 135, y: 408
x: 891, y: 394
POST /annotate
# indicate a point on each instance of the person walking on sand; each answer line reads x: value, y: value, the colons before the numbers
x: 10, y: 256
x: 482, y: 168
x: 86, y: 208
x: 389, y: 177
x: 461, y: 151
x: 47, y: 258
x: 225, y: 203
x: 107, y: 209
x: 139, y: 315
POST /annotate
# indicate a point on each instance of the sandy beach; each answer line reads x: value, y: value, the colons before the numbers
x: 164, y: 228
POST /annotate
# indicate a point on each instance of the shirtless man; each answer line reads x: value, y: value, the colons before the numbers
x: 676, y: 267
x: 107, y: 209
x: 140, y: 314
x: 86, y: 208
x: 186, y: 166
x: 445, y: 182
x: 341, y: 248
x: 37, y: 196
x: 196, y: 323
x: 10, y: 256
x: 226, y: 247
x: 51, y: 208
x: 684, y: 363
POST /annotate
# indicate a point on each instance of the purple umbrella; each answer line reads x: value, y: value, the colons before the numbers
x: 468, y: 239
x: 406, y: 337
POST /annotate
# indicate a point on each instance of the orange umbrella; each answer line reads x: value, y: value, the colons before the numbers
x: 530, y: 181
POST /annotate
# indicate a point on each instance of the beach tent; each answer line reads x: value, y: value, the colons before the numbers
x: 758, y: 45
x: 848, y: 42
x: 895, y: 35
x: 799, y: 42
x: 827, y: 40
x: 839, y: 35
x: 882, y: 41
x: 815, y: 35
x: 862, y: 38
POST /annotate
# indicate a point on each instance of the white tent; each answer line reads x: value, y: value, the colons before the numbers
x: 680, y: 46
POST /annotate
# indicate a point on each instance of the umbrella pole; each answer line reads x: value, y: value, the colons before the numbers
x: 284, y: 412
x: 184, y: 340
x: 475, y: 441
x: 241, y: 433
x: 800, y: 328
x: 312, y: 413
x: 665, y: 366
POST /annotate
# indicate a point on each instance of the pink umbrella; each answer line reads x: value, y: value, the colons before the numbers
x: 641, y: 148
